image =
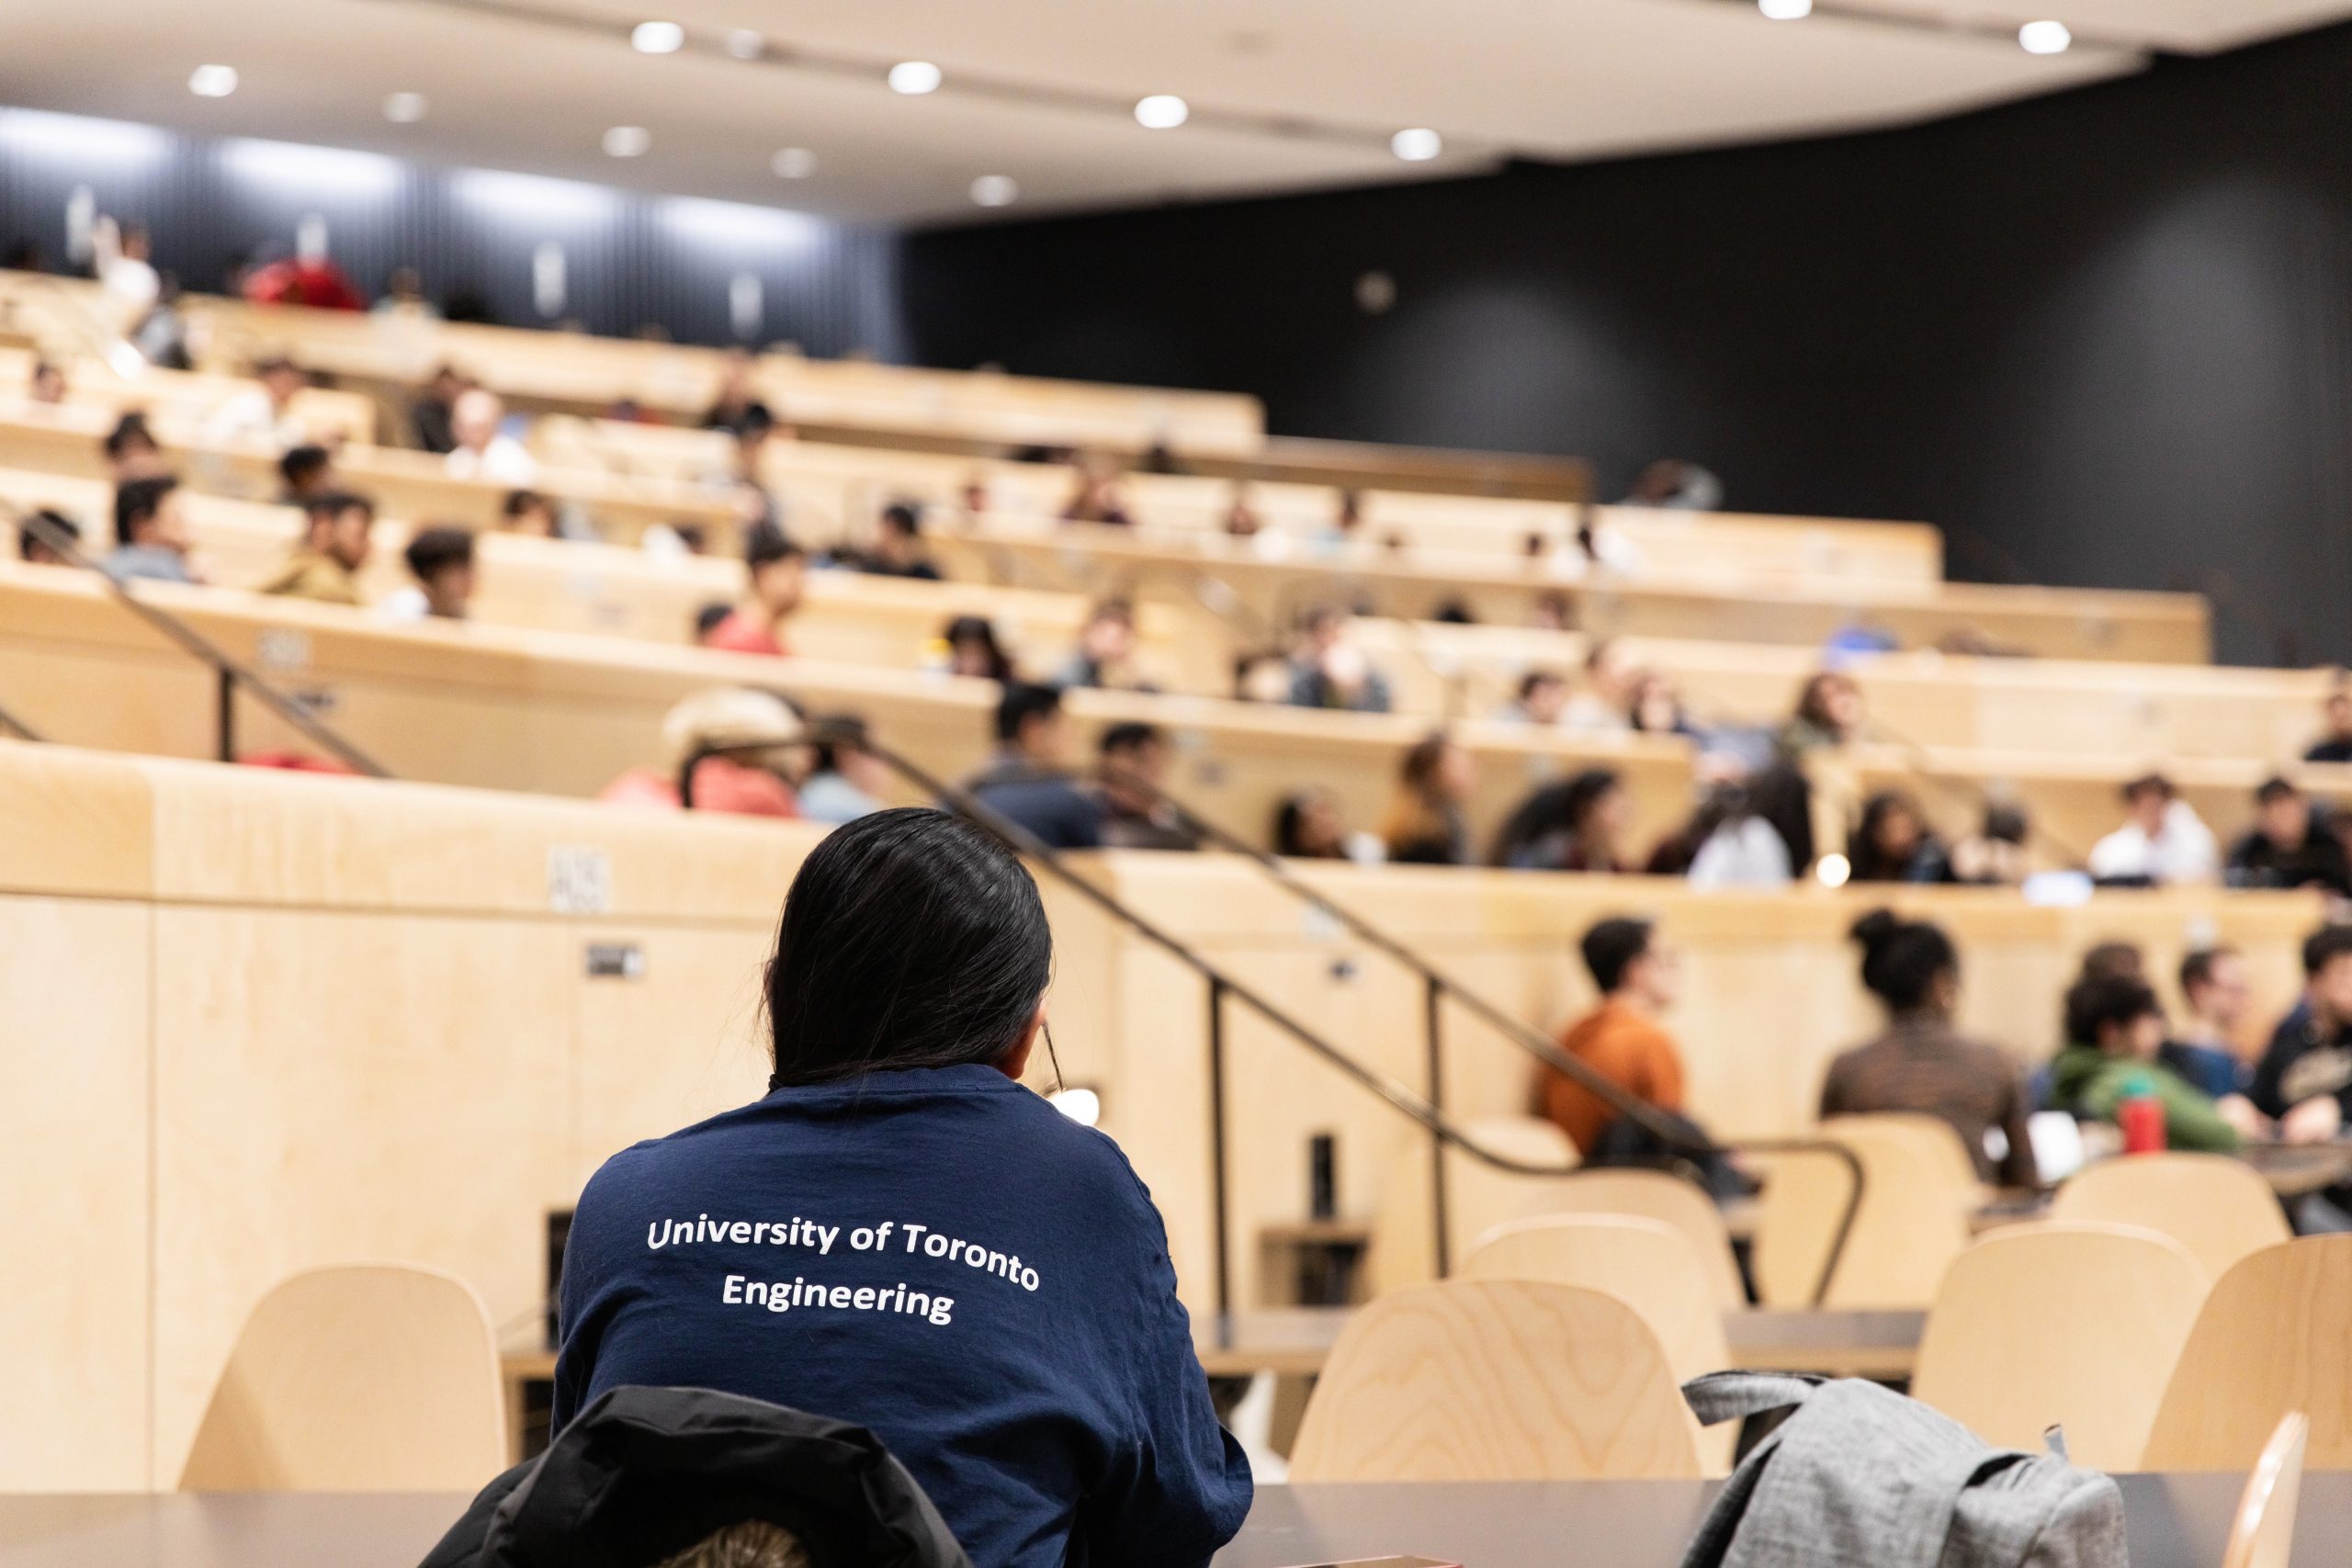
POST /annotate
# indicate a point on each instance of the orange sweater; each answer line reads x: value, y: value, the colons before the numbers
x: 1629, y: 1050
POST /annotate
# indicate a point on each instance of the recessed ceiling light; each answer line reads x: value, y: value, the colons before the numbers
x: 914, y: 77
x: 995, y: 190
x: 213, y: 81
x: 2045, y: 37
x: 628, y: 140
x: 657, y: 38
x: 745, y: 44
x: 404, y: 108
x: 1418, y: 145
x: 1161, y: 111
x: 793, y: 164
x: 1785, y: 10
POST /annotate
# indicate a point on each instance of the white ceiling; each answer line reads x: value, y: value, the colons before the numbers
x: 1036, y: 87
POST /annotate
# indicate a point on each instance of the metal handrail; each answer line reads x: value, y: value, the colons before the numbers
x: 23, y: 731
x: 234, y: 673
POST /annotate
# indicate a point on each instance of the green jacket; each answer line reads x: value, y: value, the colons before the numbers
x: 2088, y: 1082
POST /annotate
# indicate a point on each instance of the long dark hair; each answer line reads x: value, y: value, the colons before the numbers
x: 910, y: 939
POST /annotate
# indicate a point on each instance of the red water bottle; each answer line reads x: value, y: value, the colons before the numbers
x: 2141, y: 1116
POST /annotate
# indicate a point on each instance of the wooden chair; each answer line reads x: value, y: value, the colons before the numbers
x: 1913, y: 1220
x: 1670, y: 1201
x: 359, y: 1377
x: 2275, y: 1335
x: 1645, y: 1264
x: 2215, y: 1206
x: 1496, y: 1379
x: 1479, y: 1197
x: 2061, y: 1324
x: 2263, y: 1535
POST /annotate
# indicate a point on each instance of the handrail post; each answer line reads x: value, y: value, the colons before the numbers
x: 1434, y: 998
x: 225, y: 720
x: 1218, y: 1174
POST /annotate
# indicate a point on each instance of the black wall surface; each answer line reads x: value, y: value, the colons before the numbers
x: 629, y: 259
x: 2104, y: 338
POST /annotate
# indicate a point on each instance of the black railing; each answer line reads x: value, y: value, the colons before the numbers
x: 18, y: 727
x: 1427, y: 1111
x: 231, y: 674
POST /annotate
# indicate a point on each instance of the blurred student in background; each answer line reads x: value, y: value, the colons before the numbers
x: 1995, y: 855
x: 431, y: 418
x: 1893, y: 843
x: 1426, y: 824
x: 441, y: 560
x: 1132, y: 769
x: 973, y: 649
x: 776, y: 571
x: 1922, y: 1063
x: 482, y: 449
x: 849, y: 780
x: 2114, y: 1030
x: 2304, y: 1079
x: 2219, y: 994
x: 2334, y: 744
x: 1577, y: 824
x: 306, y: 472
x: 1095, y: 496
x: 131, y: 450
x: 150, y: 532
x: 266, y: 412
x: 1542, y: 698
x: 735, y: 407
x: 1329, y: 671
x: 324, y: 567
x: 2163, y: 842
x: 749, y: 781
x: 48, y: 383
x: 34, y: 551
x: 528, y: 512
x: 1622, y: 1039
x: 897, y: 546
x: 2287, y: 846
x: 1105, y: 654
x: 1605, y: 706
x: 1028, y: 779
x: 1309, y: 825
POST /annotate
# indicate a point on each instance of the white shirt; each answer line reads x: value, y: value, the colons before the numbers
x: 1746, y: 854
x: 250, y: 413
x: 505, y: 461
x: 2182, y: 850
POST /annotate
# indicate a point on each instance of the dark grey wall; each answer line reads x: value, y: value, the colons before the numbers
x: 629, y: 259
x: 2104, y: 338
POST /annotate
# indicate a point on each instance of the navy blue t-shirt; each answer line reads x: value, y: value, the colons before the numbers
x: 943, y: 1258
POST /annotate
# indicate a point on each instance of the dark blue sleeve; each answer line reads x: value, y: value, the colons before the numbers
x: 1179, y: 1486
x: 2268, y: 1091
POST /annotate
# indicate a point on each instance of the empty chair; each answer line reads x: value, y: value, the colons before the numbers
x: 359, y: 1377
x: 1496, y: 1379
x: 2275, y: 1337
x: 1671, y: 1200
x: 2077, y: 1326
x: 1478, y: 1196
x: 1912, y: 1223
x: 1645, y: 1264
x: 2263, y: 1534
x: 2215, y: 1206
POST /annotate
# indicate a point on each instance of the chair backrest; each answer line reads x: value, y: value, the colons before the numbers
x: 1933, y: 1137
x: 359, y: 1377
x: 1479, y: 1197
x: 2215, y: 1206
x: 2275, y: 1335
x: 2047, y: 1325
x: 1670, y: 1201
x: 1913, y: 1220
x: 1645, y: 1264
x: 1496, y: 1379
x: 2263, y: 1534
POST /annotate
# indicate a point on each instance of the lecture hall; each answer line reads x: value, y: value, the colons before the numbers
x: 1162, y: 784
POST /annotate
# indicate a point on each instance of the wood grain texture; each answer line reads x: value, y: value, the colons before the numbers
x: 2216, y: 1207
x: 2275, y: 1337
x: 2050, y: 1325
x: 1496, y: 1380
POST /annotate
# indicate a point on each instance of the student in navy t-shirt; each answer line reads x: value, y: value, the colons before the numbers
x: 903, y: 1236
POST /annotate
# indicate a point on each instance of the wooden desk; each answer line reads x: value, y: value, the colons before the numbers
x: 2173, y: 1521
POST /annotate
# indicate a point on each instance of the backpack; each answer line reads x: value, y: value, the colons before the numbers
x: 1860, y: 1477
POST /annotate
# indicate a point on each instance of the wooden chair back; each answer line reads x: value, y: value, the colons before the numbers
x: 1912, y: 1223
x: 2061, y: 1325
x: 1648, y: 1265
x: 2215, y: 1206
x: 1496, y: 1379
x: 357, y: 1378
x: 1669, y: 1199
x: 2275, y: 1337
x: 2263, y: 1534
